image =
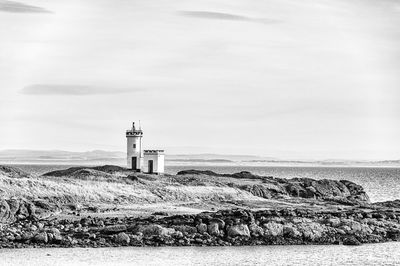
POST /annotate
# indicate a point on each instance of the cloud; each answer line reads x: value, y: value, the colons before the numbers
x: 17, y: 7
x: 54, y: 89
x: 224, y: 16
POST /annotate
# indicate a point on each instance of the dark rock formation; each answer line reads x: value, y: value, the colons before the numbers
x: 226, y: 227
x: 108, y: 169
x: 12, y: 172
x: 343, y: 191
x: 14, y: 209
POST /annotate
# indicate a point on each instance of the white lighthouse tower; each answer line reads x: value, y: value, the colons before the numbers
x: 134, y: 148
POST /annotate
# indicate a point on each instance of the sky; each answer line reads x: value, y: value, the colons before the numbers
x: 292, y: 79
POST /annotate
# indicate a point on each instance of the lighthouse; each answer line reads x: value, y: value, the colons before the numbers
x: 134, y: 148
x: 148, y: 161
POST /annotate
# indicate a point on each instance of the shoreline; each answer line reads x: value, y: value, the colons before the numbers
x: 110, y: 206
x: 237, y: 227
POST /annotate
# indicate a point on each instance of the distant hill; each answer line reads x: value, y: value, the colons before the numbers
x: 58, y: 156
x: 96, y: 157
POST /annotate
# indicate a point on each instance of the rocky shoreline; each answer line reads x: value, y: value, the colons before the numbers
x: 261, y: 210
x: 222, y: 228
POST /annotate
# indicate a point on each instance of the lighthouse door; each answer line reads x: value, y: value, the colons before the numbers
x: 151, y: 166
x: 134, y: 163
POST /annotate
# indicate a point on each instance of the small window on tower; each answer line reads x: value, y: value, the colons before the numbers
x: 134, y: 146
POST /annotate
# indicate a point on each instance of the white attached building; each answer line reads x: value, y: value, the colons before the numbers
x: 154, y: 161
x: 149, y: 161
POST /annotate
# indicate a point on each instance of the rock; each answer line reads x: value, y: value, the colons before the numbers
x: 197, y: 172
x: 50, y: 237
x: 213, y: 229
x: 14, y: 205
x: 220, y: 222
x: 33, y: 228
x: 80, y: 171
x: 42, y: 204
x: 273, y: 229
x: 357, y: 192
x: 54, y: 231
x: 256, y: 230
x: 26, y: 236
x: 13, y: 172
x: 178, y: 234
x: 5, y: 213
x: 201, y: 228
x: 41, y: 238
x: 155, y: 230
x: 23, y: 212
x: 40, y: 226
x: 238, y: 230
x: 114, y: 229
x: 259, y: 191
x: 291, y: 231
x: 311, y: 231
x: 122, y: 239
x: 160, y: 213
x: 334, y: 222
x: 132, y: 177
x: 84, y: 221
x: 351, y: 241
x: 185, y: 229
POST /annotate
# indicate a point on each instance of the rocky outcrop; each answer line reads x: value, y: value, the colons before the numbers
x: 77, y: 171
x: 12, y: 172
x: 122, y: 239
x: 15, y: 209
x: 238, y: 230
x: 228, y: 227
x: 343, y: 191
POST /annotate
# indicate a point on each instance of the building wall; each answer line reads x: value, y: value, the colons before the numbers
x: 161, y: 163
x: 158, y: 163
x: 136, y: 151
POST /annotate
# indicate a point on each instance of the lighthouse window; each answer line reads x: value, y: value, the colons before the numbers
x: 134, y: 146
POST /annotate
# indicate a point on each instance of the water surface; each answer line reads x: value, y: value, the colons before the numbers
x: 371, y: 254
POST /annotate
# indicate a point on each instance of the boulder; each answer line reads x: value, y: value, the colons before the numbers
x: 54, y: 231
x: 311, y: 230
x: 238, y: 230
x: 220, y: 222
x: 290, y: 230
x: 155, y: 230
x: 273, y: 229
x: 351, y: 241
x: 256, y: 230
x: 202, y: 228
x: 122, y: 239
x: 26, y: 236
x: 41, y: 237
x: 14, y: 209
x: 5, y: 213
x: 186, y: 229
x: 357, y: 192
x: 334, y: 222
x: 213, y: 229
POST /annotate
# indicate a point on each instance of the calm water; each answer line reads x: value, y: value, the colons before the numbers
x: 372, y: 254
x: 381, y: 184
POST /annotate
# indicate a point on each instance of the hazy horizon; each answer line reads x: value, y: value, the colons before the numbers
x: 19, y: 154
x: 280, y: 78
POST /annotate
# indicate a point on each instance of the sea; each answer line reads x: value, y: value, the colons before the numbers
x: 381, y: 184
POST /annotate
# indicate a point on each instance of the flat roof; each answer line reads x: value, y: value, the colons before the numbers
x: 154, y: 151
